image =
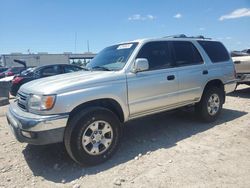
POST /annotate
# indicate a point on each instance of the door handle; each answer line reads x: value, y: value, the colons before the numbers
x: 205, y: 72
x: 237, y: 62
x: 171, y: 77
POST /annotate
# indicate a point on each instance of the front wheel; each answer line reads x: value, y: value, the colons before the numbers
x: 210, y: 106
x: 92, y: 136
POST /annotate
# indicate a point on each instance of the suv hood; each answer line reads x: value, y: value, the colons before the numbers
x: 70, y: 82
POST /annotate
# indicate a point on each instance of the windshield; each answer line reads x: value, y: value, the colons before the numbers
x: 28, y: 72
x: 112, y: 58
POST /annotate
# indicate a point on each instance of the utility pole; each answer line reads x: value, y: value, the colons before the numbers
x: 88, y: 45
x: 75, y: 40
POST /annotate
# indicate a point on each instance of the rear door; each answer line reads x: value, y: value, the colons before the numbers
x: 156, y: 88
x: 192, y: 71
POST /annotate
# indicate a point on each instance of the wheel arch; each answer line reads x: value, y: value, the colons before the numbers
x: 108, y: 103
x: 215, y: 83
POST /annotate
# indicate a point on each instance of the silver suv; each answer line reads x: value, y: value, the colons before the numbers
x: 86, y: 110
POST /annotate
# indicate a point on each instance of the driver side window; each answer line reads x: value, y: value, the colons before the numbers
x: 158, y: 55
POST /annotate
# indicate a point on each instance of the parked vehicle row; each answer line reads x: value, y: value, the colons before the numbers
x: 3, y: 69
x: 86, y: 110
x: 12, y: 71
x: 40, y: 72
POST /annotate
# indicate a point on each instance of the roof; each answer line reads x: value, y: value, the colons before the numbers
x: 172, y: 37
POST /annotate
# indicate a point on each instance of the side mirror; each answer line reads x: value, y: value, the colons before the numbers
x: 141, y: 64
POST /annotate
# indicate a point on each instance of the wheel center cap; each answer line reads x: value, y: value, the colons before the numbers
x: 98, y: 137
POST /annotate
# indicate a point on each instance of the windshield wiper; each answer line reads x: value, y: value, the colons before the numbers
x: 101, y: 68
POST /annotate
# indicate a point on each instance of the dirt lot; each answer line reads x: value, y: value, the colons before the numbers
x: 165, y: 150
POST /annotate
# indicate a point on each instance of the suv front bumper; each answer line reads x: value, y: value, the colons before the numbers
x: 36, y: 129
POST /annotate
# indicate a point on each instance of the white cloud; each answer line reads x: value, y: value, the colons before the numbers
x: 138, y: 17
x: 178, y: 15
x: 202, y: 28
x: 220, y: 38
x: 238, y: 13
x: 228, y: 38
x: 151, y: 17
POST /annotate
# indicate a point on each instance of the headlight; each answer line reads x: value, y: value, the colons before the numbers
x: 41, y: 102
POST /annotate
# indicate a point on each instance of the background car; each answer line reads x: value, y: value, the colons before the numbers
x: 12, y: 71
x: 40, y: 72
x: 2, y: 69
x: 246, y: 51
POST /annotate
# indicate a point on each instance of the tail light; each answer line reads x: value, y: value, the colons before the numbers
x: 9, y: 74
x: 16, y: 80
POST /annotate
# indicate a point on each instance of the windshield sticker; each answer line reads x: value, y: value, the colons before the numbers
x: 124, y: 46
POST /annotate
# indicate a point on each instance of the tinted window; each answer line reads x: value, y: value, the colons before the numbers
x: 50, y: 71
x: 17, y: 70
x: 215, y: 50
x: 157, y: 54
x: 3, y: 69
x: 186, y: 53
x: 28, y: 72
x: 68, y: 69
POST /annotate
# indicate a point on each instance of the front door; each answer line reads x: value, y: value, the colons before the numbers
x: 156, y: 88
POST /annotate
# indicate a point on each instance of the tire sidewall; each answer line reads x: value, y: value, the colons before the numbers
x: 205, y: 114
x: 79, y: 125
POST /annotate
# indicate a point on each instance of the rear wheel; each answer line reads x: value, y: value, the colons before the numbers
x: 92, y: 136
x: 209, y: 108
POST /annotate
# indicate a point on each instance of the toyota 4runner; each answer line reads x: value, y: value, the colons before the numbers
x: 86, y: 110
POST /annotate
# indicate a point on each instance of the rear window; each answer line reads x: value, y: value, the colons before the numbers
x: 215, y: 50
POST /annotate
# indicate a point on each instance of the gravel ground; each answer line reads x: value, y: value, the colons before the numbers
x: 169, y: 149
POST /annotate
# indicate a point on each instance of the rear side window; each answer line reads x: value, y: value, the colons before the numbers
x: 215, y: 51
x: 50, y: 71
x: 186, y: 53
x: 68, y: 69
x: 157, y: 54
x: 17, y: 70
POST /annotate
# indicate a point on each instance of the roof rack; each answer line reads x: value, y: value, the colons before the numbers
x: 185, y: 36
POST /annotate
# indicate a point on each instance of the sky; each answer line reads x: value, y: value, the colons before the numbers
x: 57, y: 26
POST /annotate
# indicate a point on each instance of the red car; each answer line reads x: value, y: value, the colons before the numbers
x: 12, y: 71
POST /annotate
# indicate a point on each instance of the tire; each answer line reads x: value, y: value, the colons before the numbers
x: 85, y: 140
x: 204, y: 110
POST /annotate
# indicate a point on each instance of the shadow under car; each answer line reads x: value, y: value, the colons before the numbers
x: 150, y: 133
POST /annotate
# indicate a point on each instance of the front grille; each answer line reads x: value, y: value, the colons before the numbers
x: 22, y: 101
